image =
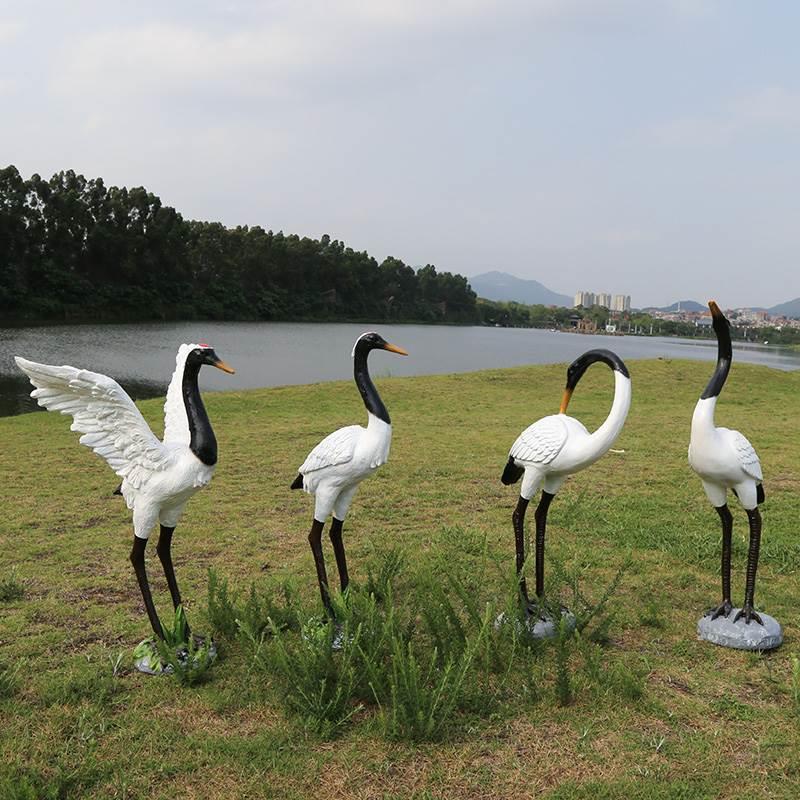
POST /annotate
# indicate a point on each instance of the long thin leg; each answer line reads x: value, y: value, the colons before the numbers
x: 164, y: 550
x: 540, y: 516
x: 518, y: 520
x: 726, y: 606
x: 747, y: 611
x: 315, y: 540
x: 137, y: 559
x: 338, y: 549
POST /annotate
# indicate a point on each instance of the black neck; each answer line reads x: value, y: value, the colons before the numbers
x: 724, y: 357
x: 372, y: 400
x: 203, y: 443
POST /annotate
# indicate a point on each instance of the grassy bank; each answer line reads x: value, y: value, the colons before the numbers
x: 696, y: 721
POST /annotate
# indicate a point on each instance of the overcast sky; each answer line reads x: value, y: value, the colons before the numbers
x: 650, y: 147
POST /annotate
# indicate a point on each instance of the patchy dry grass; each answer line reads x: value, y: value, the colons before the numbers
x: 710, y: 723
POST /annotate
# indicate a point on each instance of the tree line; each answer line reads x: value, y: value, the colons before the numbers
x: 72, y: 248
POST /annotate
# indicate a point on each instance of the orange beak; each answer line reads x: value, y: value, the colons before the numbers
x: 393, y: 348
x: 224, y: 367
x: 714, y: 308
x: 565, y: 401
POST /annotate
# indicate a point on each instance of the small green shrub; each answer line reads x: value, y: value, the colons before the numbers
x: 188, y: 658
x: 562, y: 641
x: 796, y: 682
x: 9, y: 678
x: 11, y: 587
x: 380, y: 579
x: 424, y: 693
x: 258, y: 611
x: 317, y: 671
x: 651, y: 615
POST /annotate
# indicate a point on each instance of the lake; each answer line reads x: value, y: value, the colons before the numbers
x: 142, y: 356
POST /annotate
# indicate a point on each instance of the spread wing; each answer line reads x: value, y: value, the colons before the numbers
x: 541, y: 442
x: 747, y: 456
x: 106, y: 416
x: 337, y: 448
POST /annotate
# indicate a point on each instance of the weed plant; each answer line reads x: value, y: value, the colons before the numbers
x: 9, y: 678
x: 426, y: 667
x: 187, y: 658
x: 11, y: 587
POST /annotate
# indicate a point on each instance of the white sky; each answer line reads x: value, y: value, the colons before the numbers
x: 649, y: 148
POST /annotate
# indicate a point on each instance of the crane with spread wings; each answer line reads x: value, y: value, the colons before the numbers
x: 158, y: 477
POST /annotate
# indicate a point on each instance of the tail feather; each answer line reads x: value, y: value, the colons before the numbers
x: 118, y: 490
x: 760, y: 496
x: 512, y: 473
x: 298, y: 481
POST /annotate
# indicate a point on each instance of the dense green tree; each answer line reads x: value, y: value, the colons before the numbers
x: 72, y: 248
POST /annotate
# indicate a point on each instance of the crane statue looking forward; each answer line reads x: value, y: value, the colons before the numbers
x: 333, y: 470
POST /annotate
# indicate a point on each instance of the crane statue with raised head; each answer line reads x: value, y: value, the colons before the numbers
x: 158, y: 477
x: 552, y: 449
x: 337, y: 465
x: 724, y: 460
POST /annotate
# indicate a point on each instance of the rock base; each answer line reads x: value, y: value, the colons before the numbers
x: 739, y: 635
x: 540, y: 628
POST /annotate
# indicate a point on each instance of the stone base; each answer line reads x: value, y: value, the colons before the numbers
x: 540, y: 628
x: 739, y: 635
x: 147, y: 659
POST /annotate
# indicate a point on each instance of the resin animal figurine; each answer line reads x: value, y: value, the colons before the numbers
x: 724, y: 460
x: 553, y: 448
x: 337, y: 465
x: 158, y: 478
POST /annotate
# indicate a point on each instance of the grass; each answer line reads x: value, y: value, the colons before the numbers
x: 631, y: 708
x: 11, y: 588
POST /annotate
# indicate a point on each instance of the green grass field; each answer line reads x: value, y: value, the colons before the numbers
x: 695, y: 721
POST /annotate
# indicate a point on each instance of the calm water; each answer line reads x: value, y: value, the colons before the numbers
x: 141, y: 357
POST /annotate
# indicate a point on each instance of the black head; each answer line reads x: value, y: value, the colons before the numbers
x: 718, y: 320
x: 374, y: 341
x: 205, y: 354
x: 722, y: 328
x: 578, y: 367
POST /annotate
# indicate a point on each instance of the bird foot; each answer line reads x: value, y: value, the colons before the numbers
x: 748, y: 612
x: 722, y: 610
x: 539, y: 609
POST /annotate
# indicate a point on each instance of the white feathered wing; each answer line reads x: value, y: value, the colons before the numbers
x: 541, y: 442
x: 103, y: 412
x: 336, y: 448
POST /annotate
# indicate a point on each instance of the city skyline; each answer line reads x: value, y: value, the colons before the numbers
x: 616, y: 302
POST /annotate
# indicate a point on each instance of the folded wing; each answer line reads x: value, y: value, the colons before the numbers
x: 103, y: 412
x: 541, y: 442
x: 337, y: 448
x: 748, y: 459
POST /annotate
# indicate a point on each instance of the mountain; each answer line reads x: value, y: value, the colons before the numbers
x: 686, y: 305
x: 504, y: 287
x: 790, y: 309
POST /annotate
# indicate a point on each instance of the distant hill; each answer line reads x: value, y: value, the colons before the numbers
x: 504, y: 287
x: 686, y: 305
x: 790, y: 309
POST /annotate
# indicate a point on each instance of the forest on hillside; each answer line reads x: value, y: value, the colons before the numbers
x: 73, y: 249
